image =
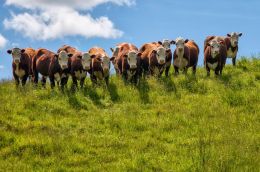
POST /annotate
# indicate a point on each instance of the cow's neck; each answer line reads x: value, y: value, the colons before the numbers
x: 233, y: 49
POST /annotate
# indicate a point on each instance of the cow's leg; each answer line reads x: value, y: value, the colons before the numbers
x: 107, y: 80
x: 52, y: 81
x: 93, y: 79
x: 167, y: 71
x: 82, y: 81
x: 234, y: 61
x: 24, y: 79
x: 208, y: 70
x: 35, y: 77
x: 63, y: 82
x: 43, y: 81
x: 185, y: 70
x: 74, y: 81
x: 194, y: 69
x: 176, y: 70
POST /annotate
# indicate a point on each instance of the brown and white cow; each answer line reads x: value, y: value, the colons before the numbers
x: 51, y: 65
x: 127, y: 62
x: 115, y: 56
x: 100, y: 65
x: 80, y: 64
x: 231, y: 41
x: 185, y: 55
x: 166, y: 43
x: 22, y: 62
x: 153, y: 59
x: 215, y: 54
x: 232, y: 45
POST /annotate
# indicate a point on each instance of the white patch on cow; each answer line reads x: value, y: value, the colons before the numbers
x: 231, y: 54
x: 106, y: 64
x: 132, y: 59
x: 234, y: 38
x: 86, y: 61
x: 212, y: 66
x: 57, y: 77
x: 63, y: 59
x: 80, y: 74
x: 215, y: 48
x: 180, y: 62
x: 98, y: 74
x: 161, y: 55
x: 166, y: 44
x: 16, y: 54
x: 19, y: 72
x: 130, y: 74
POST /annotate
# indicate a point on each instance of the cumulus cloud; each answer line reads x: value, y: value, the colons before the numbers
x: 48, y: 19
x: 3, y: 41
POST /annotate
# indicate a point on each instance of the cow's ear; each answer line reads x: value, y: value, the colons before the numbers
x: 56, y: 56
x: 154, y: 51
x: 125, y: 56
x: 208, y: 44
x: 228, y: 35
x: 159, y: 42
x: 80, y: 57
x: 172, y: 42
x: 186, y: 40
x: 70, y: 55
x: 112, y: 58
x: 9, y: 51
x: 93, y: 56
x: 139, y: 54
x: 22, y: 50
x: 240, y: 34
x: 112, y: 49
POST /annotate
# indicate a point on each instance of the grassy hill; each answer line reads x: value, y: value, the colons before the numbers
x: 184, y: 123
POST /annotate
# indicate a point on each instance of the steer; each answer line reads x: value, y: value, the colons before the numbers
x: 100, y: 65
x: 232, y: 45
x: 167, y: 45
x: 56, y: 66
x: 153, y: 58
x: 185, y: 55
x: 127, y: 62
x: 80, y: 65
x: 215, y: 55
x: 21, y: 64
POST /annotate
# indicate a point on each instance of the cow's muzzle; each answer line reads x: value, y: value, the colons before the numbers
x: 133, y: 66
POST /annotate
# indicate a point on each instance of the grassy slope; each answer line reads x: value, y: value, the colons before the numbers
x: 177, y: 124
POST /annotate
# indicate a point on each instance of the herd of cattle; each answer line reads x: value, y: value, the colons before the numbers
x: 129, y: 62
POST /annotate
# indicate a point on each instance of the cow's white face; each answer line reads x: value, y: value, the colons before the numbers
x: 86, y: 61
x: 166, y: 44
x: 132, y: 59
x: 215, y: 48
x: 180, y: 44
x: 105, y: 64
x: 16, y: 54
x: 63, y: 59
x: 161, y: 55
x: 234, y: 37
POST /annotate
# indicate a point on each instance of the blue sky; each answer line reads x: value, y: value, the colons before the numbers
x: 134, y: 21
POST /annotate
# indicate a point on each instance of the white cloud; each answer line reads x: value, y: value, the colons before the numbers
x: 3, y: 41
x: 48, y: 19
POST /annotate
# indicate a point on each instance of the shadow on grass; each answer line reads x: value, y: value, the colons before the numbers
x: 90, y: 92
x: 143, y: 89
x: 74, y: 102
x: 112, y: 89
x: 168, y: 84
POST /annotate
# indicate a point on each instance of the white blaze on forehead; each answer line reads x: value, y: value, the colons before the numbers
x: 16, y: 54
x: 180, y: 42
x: 63, y: 59
x: 132, y: 58
x: 215, y: 48
x: 166, y: 44
x: 234, y: 37
x: 86, y: 60
x: 161, y: 54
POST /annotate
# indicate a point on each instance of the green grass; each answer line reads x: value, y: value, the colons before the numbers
x: 184, y: 123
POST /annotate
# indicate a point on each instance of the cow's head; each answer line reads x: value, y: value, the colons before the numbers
x: 63, y: 59
x: 131, y: 58
x: 16, y: 54
x: 160, y: 55
x: 166, y: 44
x: 215, y: 47
x: 86, y: 61
x: 104, y: 61
x: 234, y: 37
x: 180, y: 44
